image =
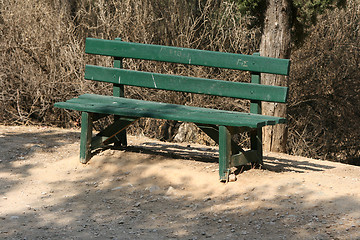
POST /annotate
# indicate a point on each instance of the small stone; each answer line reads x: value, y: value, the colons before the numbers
x: 14, y: 217
x: 153, y: 188
x: 207, y: 199
x: 246, y: 198
x: 170, y: 191
x: 137, y: 204
x: 232, y: 178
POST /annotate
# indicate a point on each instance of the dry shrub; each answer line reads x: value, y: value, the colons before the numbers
x: 43, y: 58
x: 324, y: 107
x: 42, y: 62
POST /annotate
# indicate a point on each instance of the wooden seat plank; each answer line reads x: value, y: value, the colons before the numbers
x: 139, y: 108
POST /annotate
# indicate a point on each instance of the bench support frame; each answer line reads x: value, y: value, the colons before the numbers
x: 114, y: 133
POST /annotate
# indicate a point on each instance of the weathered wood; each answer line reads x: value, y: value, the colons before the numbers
x: 150, y: 104
x: 139, y: 108
x: 224, y: 153
x: 187, y: 84
x: 187, y: 56
x: 112, y: 133
x: 119, y: 91
x: 256, y: 143
x: 86, y: 135
x: 255, y: 105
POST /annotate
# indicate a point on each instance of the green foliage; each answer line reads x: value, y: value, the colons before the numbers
x: 308, y: 10
x: 255, y: 8
x: 304, y: 12
x: 251, y: 7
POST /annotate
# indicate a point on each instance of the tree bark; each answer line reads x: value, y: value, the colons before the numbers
x: 275, y: 42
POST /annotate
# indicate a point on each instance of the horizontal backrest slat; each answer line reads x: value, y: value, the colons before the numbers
x: 187, y: 84
x: 187, y: 56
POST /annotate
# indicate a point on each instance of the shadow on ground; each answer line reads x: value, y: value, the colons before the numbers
x: 210, y: 154
x: 115, y: 198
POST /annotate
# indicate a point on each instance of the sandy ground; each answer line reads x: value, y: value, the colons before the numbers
x: 157, y: 190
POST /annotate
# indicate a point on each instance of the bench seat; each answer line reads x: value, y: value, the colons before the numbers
x: 140, y: 108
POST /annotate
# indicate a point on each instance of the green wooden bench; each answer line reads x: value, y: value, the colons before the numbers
x: 220, y: 125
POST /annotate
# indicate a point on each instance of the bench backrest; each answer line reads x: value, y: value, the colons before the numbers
x: 252, y: 63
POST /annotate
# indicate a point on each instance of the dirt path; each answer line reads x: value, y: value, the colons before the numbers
x: 158, y: 190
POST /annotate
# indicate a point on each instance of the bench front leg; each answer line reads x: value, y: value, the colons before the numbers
x: 86, y: 136
x: 224, y: 153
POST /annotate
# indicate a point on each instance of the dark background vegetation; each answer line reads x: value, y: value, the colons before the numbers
x: 42, y: 62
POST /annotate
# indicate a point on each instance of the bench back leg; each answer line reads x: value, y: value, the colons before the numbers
x: 86, y: 136
x: 256, y: 144
x: 121, y: 136
x: 119, y: 91
x: 224, y: 153
x: 256, y: 134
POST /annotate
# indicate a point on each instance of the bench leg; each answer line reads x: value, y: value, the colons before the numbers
x: 256, y: 144
x: 122, y: 142
x: 86, y: 136
x: 224, y: 153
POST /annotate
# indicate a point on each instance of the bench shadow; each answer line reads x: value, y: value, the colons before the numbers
x: 171, y: 150
x: 301, y: 165
x: 210, y: 155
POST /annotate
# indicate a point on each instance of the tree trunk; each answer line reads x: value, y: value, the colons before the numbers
x: 275, y: 42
